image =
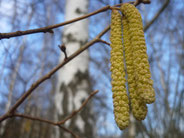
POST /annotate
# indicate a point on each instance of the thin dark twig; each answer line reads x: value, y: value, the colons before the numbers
x: 137, y: 2
x: 156, y: 15
x: 105, y: 42
x: 69, y: 131
x: 78, y: 110
x: 59, y: 122
x: 49, y: 28
x: 115, y: 8
x: 47, y: 76
x: 34, y: 118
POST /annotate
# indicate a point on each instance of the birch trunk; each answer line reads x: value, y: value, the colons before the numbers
x: 73, y: 79
x: 132, y: 127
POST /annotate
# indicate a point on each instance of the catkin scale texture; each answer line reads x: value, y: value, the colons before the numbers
x: 141, y: 64
x: 120, y: 98
x: 139, y: 108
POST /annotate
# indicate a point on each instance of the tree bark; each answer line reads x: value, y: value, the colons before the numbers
x: 73, y: 79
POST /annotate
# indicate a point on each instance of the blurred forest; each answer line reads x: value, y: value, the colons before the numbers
x: 25, y: 59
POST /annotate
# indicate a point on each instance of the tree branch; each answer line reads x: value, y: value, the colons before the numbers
x: 105, y: 42
x: 69, y: 131
x: 48, y: 75
x: 78, y: 110
x: 59, y: 123
x: 137, y: 2
x: 49, y: 28
x: 156, y: 15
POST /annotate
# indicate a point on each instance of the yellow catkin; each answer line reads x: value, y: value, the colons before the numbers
x: 139, y: 108
x: 120, y: 98
x: 142, y: 69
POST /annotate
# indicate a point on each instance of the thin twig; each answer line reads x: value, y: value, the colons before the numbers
x: 69, y: 131
x: 103, y: 41
x: 115, y: 8
x: 137, y: 2
x: 157, y: 15
x: 78, y: 110
x: 34, y: 118
x: 59, y: 122
x: 48, y: 75
x: 49, y: 28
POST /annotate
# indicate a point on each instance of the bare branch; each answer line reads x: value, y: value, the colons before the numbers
x: 59, y: 123
x: 69, y: 131
x: 156, y: 15
x: 49, y: 28
x: 137, y: 2
x: 105, y: 42
x: 33, y: 118
x: 48, y: 75
x: 78, y: 110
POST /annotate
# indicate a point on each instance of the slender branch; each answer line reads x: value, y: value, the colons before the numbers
x: 78, y: 110
x: 157, y: 15
x: 59, y: 122
x: 69, y: 131
x: 49, y: 28
x: 48, y: 75
x: 105, y: 42
x: 137, y: 2
x: 33, y: 118
x: 102, y: 33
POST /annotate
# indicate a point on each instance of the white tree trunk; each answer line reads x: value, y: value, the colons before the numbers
x: 132, y: 127
x: 73, y: 79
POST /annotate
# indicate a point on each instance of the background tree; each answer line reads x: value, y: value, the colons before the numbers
x: 73, y: 80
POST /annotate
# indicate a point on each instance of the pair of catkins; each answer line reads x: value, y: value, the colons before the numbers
x: 130, y: 54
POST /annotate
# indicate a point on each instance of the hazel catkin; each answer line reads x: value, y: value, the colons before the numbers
x: 120, y: 98
x: 139, y: 108
x: 144, y: 85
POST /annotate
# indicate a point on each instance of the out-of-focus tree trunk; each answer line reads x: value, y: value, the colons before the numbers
x: 73, y: 79
x: 132, y: 127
